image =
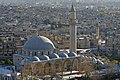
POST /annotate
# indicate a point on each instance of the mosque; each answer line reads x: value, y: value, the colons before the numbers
x: 40, y: 57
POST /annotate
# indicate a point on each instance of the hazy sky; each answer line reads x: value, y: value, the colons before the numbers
x: 30, y: 1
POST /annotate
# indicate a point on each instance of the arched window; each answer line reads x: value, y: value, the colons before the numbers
x: 35, y: 53
x: 48, y: 52
x: 42, y: 53
x: 29, y: 54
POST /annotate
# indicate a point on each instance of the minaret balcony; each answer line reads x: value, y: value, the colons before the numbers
x: 73, y: 21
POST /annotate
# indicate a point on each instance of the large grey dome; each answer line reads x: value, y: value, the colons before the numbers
x: 38, y: 43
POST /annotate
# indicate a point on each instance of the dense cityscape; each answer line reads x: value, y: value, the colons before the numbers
x: 60, y: 40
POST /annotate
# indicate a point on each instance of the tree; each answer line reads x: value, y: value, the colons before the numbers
x: 2, y: 62
x: 111, y: 66
x: 87, y: 67
x: 9, y: 61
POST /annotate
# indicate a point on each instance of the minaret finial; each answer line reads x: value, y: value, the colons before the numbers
x: 72, y: 8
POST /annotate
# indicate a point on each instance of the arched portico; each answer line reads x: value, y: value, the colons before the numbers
x: 75, y: 64
x: 27, y: 70
x: 38, y: 69
x: 58, y: 66
x: 47, y: 68
x: 67, y: 65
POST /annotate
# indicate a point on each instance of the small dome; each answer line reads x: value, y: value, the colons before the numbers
x: 94, y: 59
x: 44, y: 57
x: 63, y: 55
x: 34, y: 58
x: 82, y: 56
x: 99, y: 61
x: 38, y: 43
x: 90, y: 57
x: 86, y: 57
x: 72, y: 54
x: 52, y: 56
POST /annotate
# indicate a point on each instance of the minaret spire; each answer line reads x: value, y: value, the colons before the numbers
x: 72, y: 8
x: 73, y: 29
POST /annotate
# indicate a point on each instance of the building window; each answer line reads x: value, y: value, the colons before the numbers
x: 35, y: 53
x: 5, y: 54
x: 29, y: 54
x: 42, y: 53
x: 10, y: 54
x: 48, y: 52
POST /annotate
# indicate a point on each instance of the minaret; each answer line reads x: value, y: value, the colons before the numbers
x: 73, y: 29
x: 97, y: 31
x: 98, y: 37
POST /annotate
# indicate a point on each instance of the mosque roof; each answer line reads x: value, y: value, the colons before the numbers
x: 72, y: 54
x: 63, y: 55
x: 38, y: 43
x: 34, y: 58
x: 52, y: 56
x: 44, y: 57
x: 29, y: 59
